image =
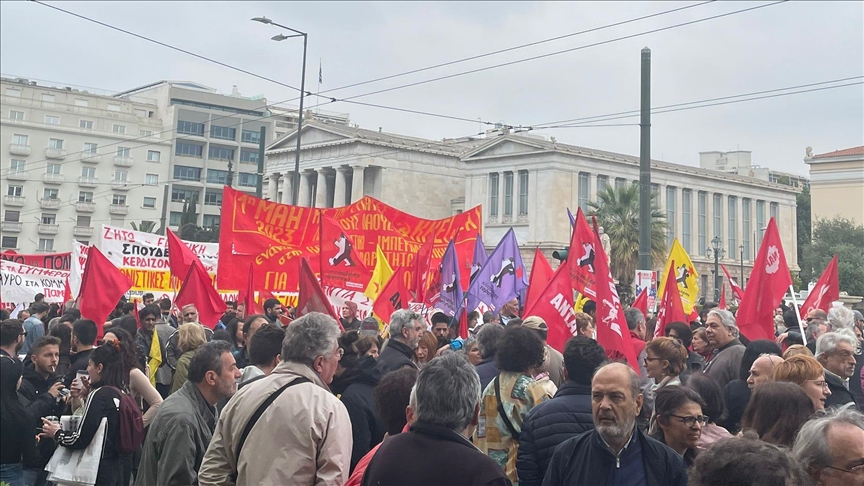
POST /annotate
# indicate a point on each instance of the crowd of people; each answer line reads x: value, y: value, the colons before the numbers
x: 155, y: 397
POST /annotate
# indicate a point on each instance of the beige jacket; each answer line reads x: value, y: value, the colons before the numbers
x: 303, y: 438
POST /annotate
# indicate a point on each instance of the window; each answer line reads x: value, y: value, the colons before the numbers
x: 174, y: 218
x: 82, y: 103
x: 493, y: 194
x: 221, y: 153
x: 89, y: 149
x: 523, y: 192
x: 746, y: 230
x: 55, y: 143
x: 247, y: 180
x: 702, y: 221
x: 190, y: 128
x: 14, y: 190
x: 248, y: 156
x: 119, y: 199
x: 508, y: 194
x: 224, y: 133
x: 178, y: 194
x: 718, y: 216
x: 121, y: 175
x: 14, y: 93
x: 141, y: 113
x: 113, y: 107
x: 670, y: 214
x: 775, y: 212
x: 83, y: 221
x: 122, y: 152
x: 250, y: 136
x: 9, y: 241
x: 52, y: 169
x: 655, y: 190
x: 215, y: 176
x: 21, y: 139
x: 212, y: 198
x: 16, y: 115
x: 602, y: 182
x: 760, y: 222
x: 584, y: 191
x: 687, y: 218
x: 119, y: 128
x: 46, y: 244
x: 48, y: 98
x: 149, y: 202
x: 620, y: 182
x: 184, y: 173
x: 151, y: 179
x: 48, y: 218
x: 85, y: 196
x: 85, y: 124
x: 17, y: 165
x: 210, y: 220
x: 189, y: 149
x: 732, y: 216
x: 145, y: 133
x: 88, y: 172
x: 12, y: 216
x: 153, y: 156
x: 50, y: 194
x: 52, y: 120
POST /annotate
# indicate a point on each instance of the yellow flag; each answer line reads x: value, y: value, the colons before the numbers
x: 685, y: 274
x: 579, y: 302
x: 380, y: 275
x: 155, y: 357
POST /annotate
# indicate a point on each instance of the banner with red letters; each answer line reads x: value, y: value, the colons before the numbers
x: 51, y: 261
x: 21, y: 283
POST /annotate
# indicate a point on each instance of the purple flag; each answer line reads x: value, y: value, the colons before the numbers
x: 502, y: 278
x: 450, y: 293
x: 572, y: 219
x: 479, y: 258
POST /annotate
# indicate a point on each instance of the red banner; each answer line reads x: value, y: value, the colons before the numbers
x: 274, y: 236
x: 51, y: 261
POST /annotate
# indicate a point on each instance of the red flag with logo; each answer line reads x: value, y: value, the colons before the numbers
x: 554, y: 304
x: 102, y: 285
x: 198, y: 289
x: 722, y: 304
x: 769, y: 282
x: 736, y: 290
x: 180, y: 257
x: 340, y: 264
x: 641, y: 302
x: 394, y: 296
x: 582, y: 257
x: 311, y: 297
x: 541, y: 274
x: 826, y: 290
x: 671, y: 308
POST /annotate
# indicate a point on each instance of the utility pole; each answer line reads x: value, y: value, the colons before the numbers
x: 164, y: 229
x: 296, y: 183
x: 645, y: 166
x: 260, y: 182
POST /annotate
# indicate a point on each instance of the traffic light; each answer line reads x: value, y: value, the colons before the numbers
x: 561, y: 255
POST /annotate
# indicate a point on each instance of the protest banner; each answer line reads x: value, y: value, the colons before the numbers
x: 21, y: 283
x: 51, y: 261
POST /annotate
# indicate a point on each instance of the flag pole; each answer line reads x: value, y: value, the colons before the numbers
x: 798, y: 315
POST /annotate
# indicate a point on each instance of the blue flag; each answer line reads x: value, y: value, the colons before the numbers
x: 449, y: 297
x: 502, y: 278
x: 479, y: 258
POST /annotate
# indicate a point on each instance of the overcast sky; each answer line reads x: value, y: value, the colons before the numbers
x: 784, y: 45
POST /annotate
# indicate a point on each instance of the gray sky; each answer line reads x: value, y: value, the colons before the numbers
x: 784, y: 45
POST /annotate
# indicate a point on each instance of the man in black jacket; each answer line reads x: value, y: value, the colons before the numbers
x: 616, y: 452
x: 836, y: 353
x: 567, y: 415
x: 406, y: 328
x: 358, y: 398
x: 84, y: 333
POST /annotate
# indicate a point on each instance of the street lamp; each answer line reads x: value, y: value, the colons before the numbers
x: 741, y: 282
x: 719, y: 252
x: 295, y: 186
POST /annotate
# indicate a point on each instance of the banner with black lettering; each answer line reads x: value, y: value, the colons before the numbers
x: 21, y: 283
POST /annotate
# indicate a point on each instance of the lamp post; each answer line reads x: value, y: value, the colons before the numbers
x: 741, y: 282
x: 295, y: 186
x: 718, y: 252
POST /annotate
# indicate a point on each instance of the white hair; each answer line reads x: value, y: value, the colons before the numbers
x: 840, y: 317
x: 811, y: 445
x: 828, y: 342
x: 727, y: 319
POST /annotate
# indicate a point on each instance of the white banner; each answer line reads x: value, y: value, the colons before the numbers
x: 21, y: 283
x: 79, y: 260
x: 647, y: 279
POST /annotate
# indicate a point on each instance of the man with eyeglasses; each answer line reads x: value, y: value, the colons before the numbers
x: 189, y: 313
x: 835, y: 351
x: 831, y: 448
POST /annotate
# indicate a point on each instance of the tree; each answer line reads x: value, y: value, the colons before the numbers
x: 841, y: 236
x: 189, y: 230
x: 145, y: 226
x: 617, y: 210
x: 803, y: 214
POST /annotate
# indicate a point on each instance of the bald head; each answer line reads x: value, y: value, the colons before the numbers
x: 760, y: 371
x: 621, y: 375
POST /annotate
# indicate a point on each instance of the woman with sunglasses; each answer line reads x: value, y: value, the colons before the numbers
x: 665, y: 359
x: 679, y: 420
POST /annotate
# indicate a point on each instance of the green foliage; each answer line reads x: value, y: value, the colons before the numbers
x: 803, y: 216
x: 617, y: 210
x: 840, y: 236
x: 145, y: 226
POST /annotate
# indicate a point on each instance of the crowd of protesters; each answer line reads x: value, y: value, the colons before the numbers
x: 158, y: 398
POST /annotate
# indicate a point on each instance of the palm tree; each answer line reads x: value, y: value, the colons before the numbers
x: 145, y: 226
x: 617, y: 210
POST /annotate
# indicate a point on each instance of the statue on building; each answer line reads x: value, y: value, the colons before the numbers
x: 607, y: 244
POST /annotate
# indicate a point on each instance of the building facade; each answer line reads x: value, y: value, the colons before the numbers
x: 837, y: 184
x: 739, y: 162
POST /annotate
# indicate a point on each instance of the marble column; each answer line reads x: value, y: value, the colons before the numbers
x: 288, y: 188
x: 357, y: 183
x: 340, y: 186
x: 273, y: 186
x: 321, y: 189
x: 305, y: 195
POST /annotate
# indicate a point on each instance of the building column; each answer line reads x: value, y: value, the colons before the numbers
x: 340, y: 187
x: 321, y: 189
x: 272, y: 189
x: 287, y: 187
x: 357, y: 183
x: 305, y: 195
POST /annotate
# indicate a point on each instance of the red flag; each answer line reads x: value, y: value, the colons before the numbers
x: 463, y: 321
x: 393, y: 296
x: 67, y: 292
x: 422, y: 262
x: 769, y: 282
x: 722, y: 304
x: 826, y: 290
x: 198, y: 289
x: 312, y: 297
x: 340, y: 264
x: 180, y: 257
x: 541, y: 274
x: 641, y: 302
x: 736, y: 290
x: 554, y: 304
x: 671, y: 308
x: 582, y: 257
x: 247, y: 296
x: 102, y: 285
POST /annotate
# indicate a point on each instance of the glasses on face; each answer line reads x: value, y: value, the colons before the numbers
x: 646, y: 359
x: 339, y: 353
x: 811, y: 319
x: 820, y: 383
x: 691, y: 420
x: 857, y: 471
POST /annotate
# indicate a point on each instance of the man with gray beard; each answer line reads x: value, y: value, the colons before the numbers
x: 616, y: 452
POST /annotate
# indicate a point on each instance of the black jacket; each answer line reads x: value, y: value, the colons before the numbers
x: 36, y: 399
x: 487, y: 372
x: 585, y: 459
x: 736, y: 395
x: 840, y: 395
x: 432, y: 455
x: 395, y: 356
x: 79, y: 363
x: 549, y: 424
x: 366, y: 427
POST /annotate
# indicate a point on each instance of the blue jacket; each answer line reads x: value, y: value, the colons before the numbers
x: 549, y: 424
x: 487, y: 372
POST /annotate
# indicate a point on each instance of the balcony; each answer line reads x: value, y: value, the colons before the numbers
x: 82, y: 231
x: 46, y: 250
x: 50, y: 203
x: 49, y: 178
x: 90, y: 158
x: 14, y: 201
x: 121, y: 209
x: 18, y: 175
x: 55, y: 153
x: 48, y: 229
x: 11, y: 226
x: 123, y: 161
x: 18, y: 149
x: 121, y: 185
x: 88, y: 181
x: 85, y: 206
